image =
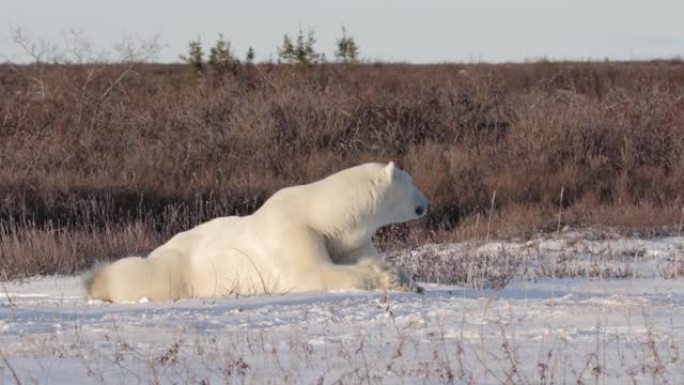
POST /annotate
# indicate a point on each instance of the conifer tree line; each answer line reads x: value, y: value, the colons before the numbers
x: 298, y: 50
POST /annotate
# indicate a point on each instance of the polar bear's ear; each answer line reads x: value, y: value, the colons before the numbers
x: 389, y: 170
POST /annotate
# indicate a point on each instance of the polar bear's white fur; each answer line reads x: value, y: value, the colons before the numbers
x: 304, y: 238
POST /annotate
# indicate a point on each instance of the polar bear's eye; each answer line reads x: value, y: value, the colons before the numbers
x: 420, y: 210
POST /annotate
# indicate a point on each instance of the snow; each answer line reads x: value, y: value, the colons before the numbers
x: 565, y: 329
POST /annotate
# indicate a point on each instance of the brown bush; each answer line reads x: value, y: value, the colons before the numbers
x: 98, y: 162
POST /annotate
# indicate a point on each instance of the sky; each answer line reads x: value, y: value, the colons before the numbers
x: 418, y: 31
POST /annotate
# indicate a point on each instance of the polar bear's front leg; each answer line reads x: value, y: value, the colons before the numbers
x: 366, y: 275
x: 389, y: 278
x: 367, y: 251
x: 317, y: 270
x: 368, y: 257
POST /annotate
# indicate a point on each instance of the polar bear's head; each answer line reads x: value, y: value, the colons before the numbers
x: 401, y: 201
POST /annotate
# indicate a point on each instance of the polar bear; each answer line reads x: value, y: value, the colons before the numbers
x: 311, y: 237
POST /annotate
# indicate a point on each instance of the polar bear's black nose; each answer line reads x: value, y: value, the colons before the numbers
x: 420, y: 210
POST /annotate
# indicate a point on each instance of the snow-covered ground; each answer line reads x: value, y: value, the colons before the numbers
x: 574, y: 309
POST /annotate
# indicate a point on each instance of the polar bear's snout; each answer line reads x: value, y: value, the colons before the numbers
x: 421, y: 203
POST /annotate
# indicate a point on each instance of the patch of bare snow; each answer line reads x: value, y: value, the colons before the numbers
x: 535, y: 329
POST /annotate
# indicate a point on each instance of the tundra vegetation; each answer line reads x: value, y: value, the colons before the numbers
x: 105, y: 158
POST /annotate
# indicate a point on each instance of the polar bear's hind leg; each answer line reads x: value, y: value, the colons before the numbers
x: 96, y: 283
x: 134, y: 278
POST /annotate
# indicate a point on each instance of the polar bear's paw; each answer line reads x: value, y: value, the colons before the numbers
x: 401, y: 280
x: 385, y: 277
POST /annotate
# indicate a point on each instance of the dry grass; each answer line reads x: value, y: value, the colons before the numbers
x: 595, y: 255
x: 469, y: 267
x: 100, y: 161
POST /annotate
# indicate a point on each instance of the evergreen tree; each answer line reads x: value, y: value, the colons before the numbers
x: 221, y: 59
x: 249, y: 58
x: 195, y: 57
x: 301, y: 52
x: 347, y: 51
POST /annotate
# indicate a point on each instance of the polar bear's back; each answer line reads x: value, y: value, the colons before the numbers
x: 339, y: 193
x: 189, y: 239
